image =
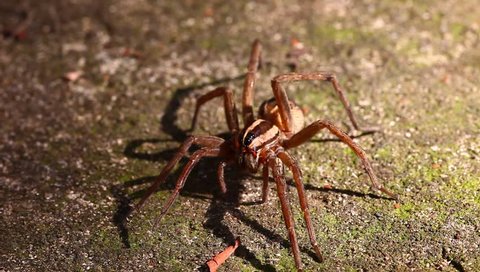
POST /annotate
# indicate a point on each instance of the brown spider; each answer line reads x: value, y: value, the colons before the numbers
x: 264, y: 143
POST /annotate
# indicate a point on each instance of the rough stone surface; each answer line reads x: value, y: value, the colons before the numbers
x: 75, y: 153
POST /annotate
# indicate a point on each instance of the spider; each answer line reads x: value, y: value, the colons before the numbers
x: 263, y: 143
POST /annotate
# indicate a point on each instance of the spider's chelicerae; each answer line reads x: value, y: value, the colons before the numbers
x: 263, y: 143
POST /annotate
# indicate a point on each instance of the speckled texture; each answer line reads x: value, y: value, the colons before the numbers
x: 75, y: 155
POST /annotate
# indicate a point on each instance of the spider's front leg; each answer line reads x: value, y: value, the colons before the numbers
x: 249, y: 84
x: 290, y: 162
x: 228, y: 103
x: 247, y: 96
x: 283, y: 102
x: 308, y: 132
x: 276, y: 168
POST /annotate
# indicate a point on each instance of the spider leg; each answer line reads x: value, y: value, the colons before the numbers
x: 288, y: 160
x: 266, y: 179
x: 229, y: 105
x: 194, y: 159
x: 203, y: 141
x: 286, y: 211
x: 249, y: 84
x: 282, y: 99
x: 309, y: 131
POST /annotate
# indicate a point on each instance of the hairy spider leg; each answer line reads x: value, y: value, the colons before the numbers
x: 282, y: 99
x: 290, y: 162
x: 249, y: 84
x: 309, y: 131
x: 194, y: 159
x: 228, y: 103
x: 247, y: 95
x: 276, y: 168
x: 211, y: 142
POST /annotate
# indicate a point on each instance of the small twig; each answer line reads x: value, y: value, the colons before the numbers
x: 221, y: 257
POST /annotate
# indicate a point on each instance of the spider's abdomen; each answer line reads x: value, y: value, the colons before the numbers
x: 269, y: 111
x: 261, y: 133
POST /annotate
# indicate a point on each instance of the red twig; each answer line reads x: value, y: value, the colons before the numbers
x: 221, y: 257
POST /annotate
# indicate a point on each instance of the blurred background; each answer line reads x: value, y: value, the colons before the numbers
x: 95, y: 96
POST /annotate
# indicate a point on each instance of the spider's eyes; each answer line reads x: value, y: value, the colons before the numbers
x: 248, y: 139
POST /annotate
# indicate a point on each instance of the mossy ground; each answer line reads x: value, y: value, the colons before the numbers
x: 75, y: 155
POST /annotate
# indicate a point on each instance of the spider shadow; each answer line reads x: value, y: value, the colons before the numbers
x: 170, y: 114
x: 348, y: 192
x: 119, y: 192
x: 198, y: 186
x: 124, y: 199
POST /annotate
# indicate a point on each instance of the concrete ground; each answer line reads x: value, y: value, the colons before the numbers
x: 95, y: 96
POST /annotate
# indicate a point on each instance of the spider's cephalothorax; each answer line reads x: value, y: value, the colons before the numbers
x: 263, y: 143
x: 256, y: 140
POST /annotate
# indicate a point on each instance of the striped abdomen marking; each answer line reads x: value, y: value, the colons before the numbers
x: 259, y: 134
